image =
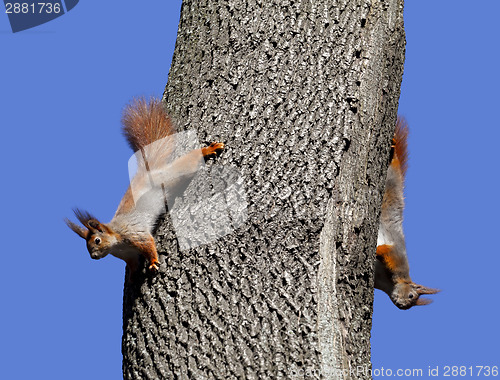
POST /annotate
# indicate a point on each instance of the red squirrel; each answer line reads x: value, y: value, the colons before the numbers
x: 128, y: 234
x: 392, y: 272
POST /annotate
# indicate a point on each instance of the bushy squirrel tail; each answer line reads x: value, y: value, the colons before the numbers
x: 400, y: 157
x: 144, y: 122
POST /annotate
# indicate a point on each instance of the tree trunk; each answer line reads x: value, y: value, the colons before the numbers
x: 304, y: 94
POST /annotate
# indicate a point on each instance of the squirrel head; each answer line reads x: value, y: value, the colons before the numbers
x: 99, y: 237
x: 406, y: 294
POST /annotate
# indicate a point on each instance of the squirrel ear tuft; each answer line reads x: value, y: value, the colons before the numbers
x: 423, y: 301
x: 425, y: 290
x: 83, y: 216
x: 92, y: 223
x: 80, y: 231
x: 88, y: 220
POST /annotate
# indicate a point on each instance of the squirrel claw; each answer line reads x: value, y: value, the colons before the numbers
x: 218, y: 145
x: 154, y: 267
x: 212, y: 149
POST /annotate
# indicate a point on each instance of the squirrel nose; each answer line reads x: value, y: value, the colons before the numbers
x: 95, y: 255
x: 403, y: 306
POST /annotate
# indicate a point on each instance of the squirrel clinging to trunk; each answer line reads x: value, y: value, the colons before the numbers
x: 128, y: 235
x: 392, y: 272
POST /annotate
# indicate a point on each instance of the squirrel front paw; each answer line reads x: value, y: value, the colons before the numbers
x: 212, y: 149
x: 154, y: 266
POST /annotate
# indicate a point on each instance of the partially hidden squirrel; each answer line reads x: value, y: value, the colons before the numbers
x: 148, y: 130
x: 392, y: 272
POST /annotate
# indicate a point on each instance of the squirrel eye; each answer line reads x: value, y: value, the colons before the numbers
x: 410, y: 296
x: 97, y: 240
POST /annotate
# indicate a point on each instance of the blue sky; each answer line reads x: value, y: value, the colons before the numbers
x: 63, y: 86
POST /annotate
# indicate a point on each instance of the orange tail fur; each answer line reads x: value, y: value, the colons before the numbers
x: 401, y: 144
x: 144, y: 122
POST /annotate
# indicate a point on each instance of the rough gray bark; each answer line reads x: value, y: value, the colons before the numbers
x: 304, y: 94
